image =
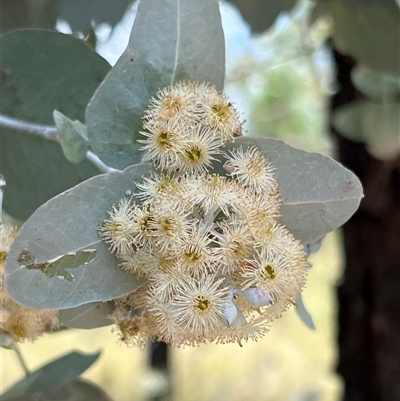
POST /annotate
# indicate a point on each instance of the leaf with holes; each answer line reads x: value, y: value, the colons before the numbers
x: 69, y: 224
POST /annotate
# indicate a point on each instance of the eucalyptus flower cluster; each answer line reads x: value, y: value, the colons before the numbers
x: 218, y: 265
x: 20, y: 322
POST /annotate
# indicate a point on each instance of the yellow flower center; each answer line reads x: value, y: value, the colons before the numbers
x: 3, y: 256
x: 220, y: 110
x: 194, y: 154
x: 165, y: 224
x: 270, y: 272
x: 240, y: 249
x: 202, y: 304
x: 19, y: 331
x: 192, y: 256
x: 164, y: 140
x: 111, y: 227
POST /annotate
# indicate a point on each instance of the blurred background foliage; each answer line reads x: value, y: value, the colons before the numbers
x: 280, y: 80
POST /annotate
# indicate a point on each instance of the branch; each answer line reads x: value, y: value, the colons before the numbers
x: 49, y: 133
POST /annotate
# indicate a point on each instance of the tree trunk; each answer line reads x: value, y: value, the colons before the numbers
x: 369, y: 296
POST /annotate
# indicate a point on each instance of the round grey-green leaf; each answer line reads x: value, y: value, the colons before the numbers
x: 41, y: 71
x: 318, y: 193
x: 67, y: 224
x: 171, y: 41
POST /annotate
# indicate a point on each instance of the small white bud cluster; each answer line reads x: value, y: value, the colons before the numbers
x: 219, y: 266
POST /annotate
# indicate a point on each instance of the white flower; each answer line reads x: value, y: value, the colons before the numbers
x: 235, y: 243
x: 163, y: 144
x: 196, y: 256
x: 175, y: 102
x: 252, y: 329
x: 118, y: 228
x: 200, y: 305
x: 220, y: 114
x: 155, y: 184
x: 212, y: 193
x: 273, y: 272
x: 196, y: 152
x: 251, y: 169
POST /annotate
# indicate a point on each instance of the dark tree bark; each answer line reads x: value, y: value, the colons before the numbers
x: 369, y: 296
x: 159, y: 360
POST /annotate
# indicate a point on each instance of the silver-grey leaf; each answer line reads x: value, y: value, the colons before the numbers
x: 88, y: 316
x: 318, y: 193
x: 303, y: 313
x: 171, y: 41
x: 66, y: 224
x: 72, y: 136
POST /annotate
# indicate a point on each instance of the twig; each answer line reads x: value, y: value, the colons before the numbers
x: 2, y: 187
x: 51, y: 134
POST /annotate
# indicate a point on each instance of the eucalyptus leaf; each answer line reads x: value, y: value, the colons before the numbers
x: 66, y: 224
x: 381, y: 127
x: 41, y: 71
x: 87, y: 316
x: 261, y: 14
x: 347, y: 120
x: 318, y: 193
x: 80, y: 13
x: 72, y: 136
x: 6, y: 341
x: 377, y: 125
x: 376, y: 85
x: 60, y: 265
x: 368, y: 30
x: 303, y: 314
x: 313, y: 247
x: 171, y: 41
x: 76, y: 390
x: 58, y: 372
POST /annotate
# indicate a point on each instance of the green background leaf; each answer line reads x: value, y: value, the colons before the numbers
x: 381, y: 125
x: 367, y: 30
x: 41, y: 71
x: 69, y: 223
x: 261, y: 14
x: 318, y: 193
x: 375, y: 124
x: 76, y: 390
x: 348, y: 120
x: 376, y: 85
x: 171, y: 41
x: 80, y: 13
x: 60, y: 371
